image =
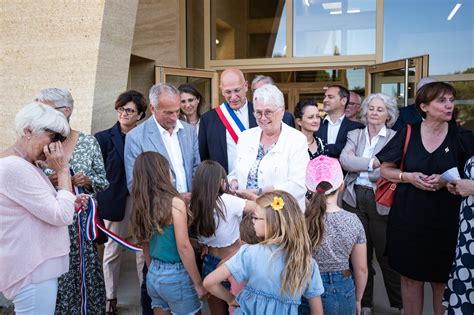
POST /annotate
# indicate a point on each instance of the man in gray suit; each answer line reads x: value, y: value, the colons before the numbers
x: 164, y: 133
x: 175, y: 140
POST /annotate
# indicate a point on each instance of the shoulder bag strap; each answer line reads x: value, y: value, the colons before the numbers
x: 405, y: 148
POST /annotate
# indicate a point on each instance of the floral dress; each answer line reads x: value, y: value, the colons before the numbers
x: 86, y: 159
x: 459, y: 293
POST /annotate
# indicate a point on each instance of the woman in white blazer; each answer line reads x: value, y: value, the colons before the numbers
x: 379, y: 112
x: 272, y: 155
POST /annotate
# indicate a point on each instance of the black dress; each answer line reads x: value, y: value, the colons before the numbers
x: 422, y: 225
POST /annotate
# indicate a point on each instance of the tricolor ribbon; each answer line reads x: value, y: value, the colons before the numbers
x: 230, y: 120
x: 89, y: 231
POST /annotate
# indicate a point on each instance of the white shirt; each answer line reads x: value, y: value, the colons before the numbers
x: 243, y: 114
x: 333, y: 128
x: 171, y: 142
x: 368, y: 153
x: 228, y: 230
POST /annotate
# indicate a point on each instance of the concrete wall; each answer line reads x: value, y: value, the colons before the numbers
x: 83, y: 46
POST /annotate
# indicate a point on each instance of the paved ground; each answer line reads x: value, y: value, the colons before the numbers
x: 129, y: 293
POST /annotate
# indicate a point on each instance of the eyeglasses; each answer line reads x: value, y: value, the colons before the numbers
x: 55, y: 136
x: 354, y: 104
x: 60, y: 107
x: 255, y: 219
x: 129, y: 111
x: 268, y: 114
x: 235, y: 91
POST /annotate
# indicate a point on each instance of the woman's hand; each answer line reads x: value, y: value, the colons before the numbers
x: 463, y: 187
x: 436, y: 181
x: 82, y: 180
x: 201, y: 291
x: 358, y: 307
x: 53, y: 179
x: 55, y: 157
x: 419, y: 180
x: 82, y: 201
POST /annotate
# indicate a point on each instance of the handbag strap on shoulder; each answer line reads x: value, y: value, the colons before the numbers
x: 405, y: 147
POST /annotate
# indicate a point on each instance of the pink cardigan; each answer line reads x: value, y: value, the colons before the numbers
x: 33, y: 226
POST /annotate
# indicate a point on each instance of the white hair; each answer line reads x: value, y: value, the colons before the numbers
x: 58, y: 97
x: 157, y: 89
x: 389, y: 102
x: 38, y: 117
x: 269, y: 94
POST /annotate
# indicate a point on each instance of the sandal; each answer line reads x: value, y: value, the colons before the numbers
x: 111, y: 307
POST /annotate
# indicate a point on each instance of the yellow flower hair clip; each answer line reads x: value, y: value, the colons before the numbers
x: 277, y: 204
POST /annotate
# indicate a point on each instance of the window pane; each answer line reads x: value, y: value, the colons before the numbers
x: 195, y: 33
x: 464, y: 108
x: 248, y: 29
x: 419, y: 27
x: 203, y: 85
x: 325, y: 28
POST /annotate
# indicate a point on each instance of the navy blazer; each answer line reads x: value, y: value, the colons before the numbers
x: 112, y: 201
x: 212, y: 135
x: 335, y: 149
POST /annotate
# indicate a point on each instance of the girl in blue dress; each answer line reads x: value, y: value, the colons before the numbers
x: 279, y: 270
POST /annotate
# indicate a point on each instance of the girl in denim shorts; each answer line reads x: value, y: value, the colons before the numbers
x: 217, y: 215
x: 337, y: 236
x: 160, y: 224
x: 279, y: 270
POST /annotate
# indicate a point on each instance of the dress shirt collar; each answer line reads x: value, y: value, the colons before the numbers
x: 243, y: 109
x: 382, y: 132
x: 338, y: 121
x: 177, y: 127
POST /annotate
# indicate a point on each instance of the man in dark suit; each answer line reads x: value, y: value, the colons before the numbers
x: 215, y: 141
x: 335, y: 126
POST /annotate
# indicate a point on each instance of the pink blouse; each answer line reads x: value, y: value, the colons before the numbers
x: 34, y: 240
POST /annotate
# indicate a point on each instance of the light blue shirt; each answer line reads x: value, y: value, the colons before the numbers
x: 263, y: 272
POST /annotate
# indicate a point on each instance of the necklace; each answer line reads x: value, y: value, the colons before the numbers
x: 311, y: 142
x: 18, y: 152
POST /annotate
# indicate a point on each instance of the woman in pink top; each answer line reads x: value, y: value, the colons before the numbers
x: 34, y: 238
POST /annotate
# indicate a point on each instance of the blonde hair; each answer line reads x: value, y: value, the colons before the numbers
x: 286, y: 228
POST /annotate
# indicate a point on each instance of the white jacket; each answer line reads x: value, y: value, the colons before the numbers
x: 283, y: 167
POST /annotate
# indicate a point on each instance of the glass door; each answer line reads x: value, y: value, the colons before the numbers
x: 205, y: 81
x: 397, y: 78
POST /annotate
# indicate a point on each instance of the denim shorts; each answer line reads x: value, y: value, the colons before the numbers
x: 209, y: 265
x: 171, y: 288
x: 338, y: 297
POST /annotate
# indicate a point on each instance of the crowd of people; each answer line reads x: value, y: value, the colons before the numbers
x: 244, y: 206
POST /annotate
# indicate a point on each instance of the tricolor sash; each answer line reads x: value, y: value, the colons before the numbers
x: 230, y: 120
x: 89, y: 232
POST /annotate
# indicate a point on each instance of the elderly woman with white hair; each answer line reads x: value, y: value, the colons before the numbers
x: 379, y: 112
x: 271, y: 156
x: 34, y: 216
x: 76, y: 293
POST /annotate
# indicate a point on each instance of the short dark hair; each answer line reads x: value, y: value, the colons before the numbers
x: 428, y: 92
x: 301, y: 105
x: 343, y: 92
x: 132, y: 96
x: 190, y: 89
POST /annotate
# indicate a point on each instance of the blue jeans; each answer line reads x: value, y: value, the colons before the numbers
x: 209, y: 265
x: 338, y: 297
x: 171, y: 288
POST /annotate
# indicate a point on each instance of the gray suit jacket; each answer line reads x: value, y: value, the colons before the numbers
x: 147, y: 137
x: 352, y: 161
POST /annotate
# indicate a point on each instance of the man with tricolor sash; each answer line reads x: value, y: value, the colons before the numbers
x: 221, y: 127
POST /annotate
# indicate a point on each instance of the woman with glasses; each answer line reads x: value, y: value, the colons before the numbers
x: 34, y: 241
x: 114, y: 202
x: 271, y: 156
x: 191, y: 104
x: 85, y: 160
